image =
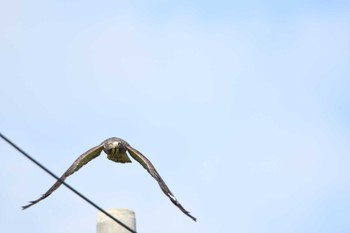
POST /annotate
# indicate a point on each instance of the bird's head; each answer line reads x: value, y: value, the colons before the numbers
x: 111, y: 147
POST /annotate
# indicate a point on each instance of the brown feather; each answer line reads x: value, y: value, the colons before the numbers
x: 81, y: 161
x: 151, y: 170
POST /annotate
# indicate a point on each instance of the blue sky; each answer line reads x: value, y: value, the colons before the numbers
x: 243, y: 107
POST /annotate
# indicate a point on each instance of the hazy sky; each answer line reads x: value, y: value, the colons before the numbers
x: 243, y: 107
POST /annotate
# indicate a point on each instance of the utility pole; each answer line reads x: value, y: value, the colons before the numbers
x: 105, y: 224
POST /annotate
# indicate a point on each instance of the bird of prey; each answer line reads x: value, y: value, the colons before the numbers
x: 116, y: 149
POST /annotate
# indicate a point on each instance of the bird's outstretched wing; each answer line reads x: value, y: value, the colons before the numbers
x: 81, y: 161
x: 151, y: 170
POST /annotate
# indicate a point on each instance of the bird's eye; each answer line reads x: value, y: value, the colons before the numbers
x: 111, y: 144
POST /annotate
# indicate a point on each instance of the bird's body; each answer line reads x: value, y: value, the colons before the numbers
x: 116, y: 150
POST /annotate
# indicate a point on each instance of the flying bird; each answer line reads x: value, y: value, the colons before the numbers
x: 116, y: 149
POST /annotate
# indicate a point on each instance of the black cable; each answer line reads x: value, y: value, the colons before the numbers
x: 65, y: 184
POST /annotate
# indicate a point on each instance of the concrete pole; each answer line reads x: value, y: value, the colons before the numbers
x: 107, y: 225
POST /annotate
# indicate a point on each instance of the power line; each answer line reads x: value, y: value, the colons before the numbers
x: 65, y: 184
